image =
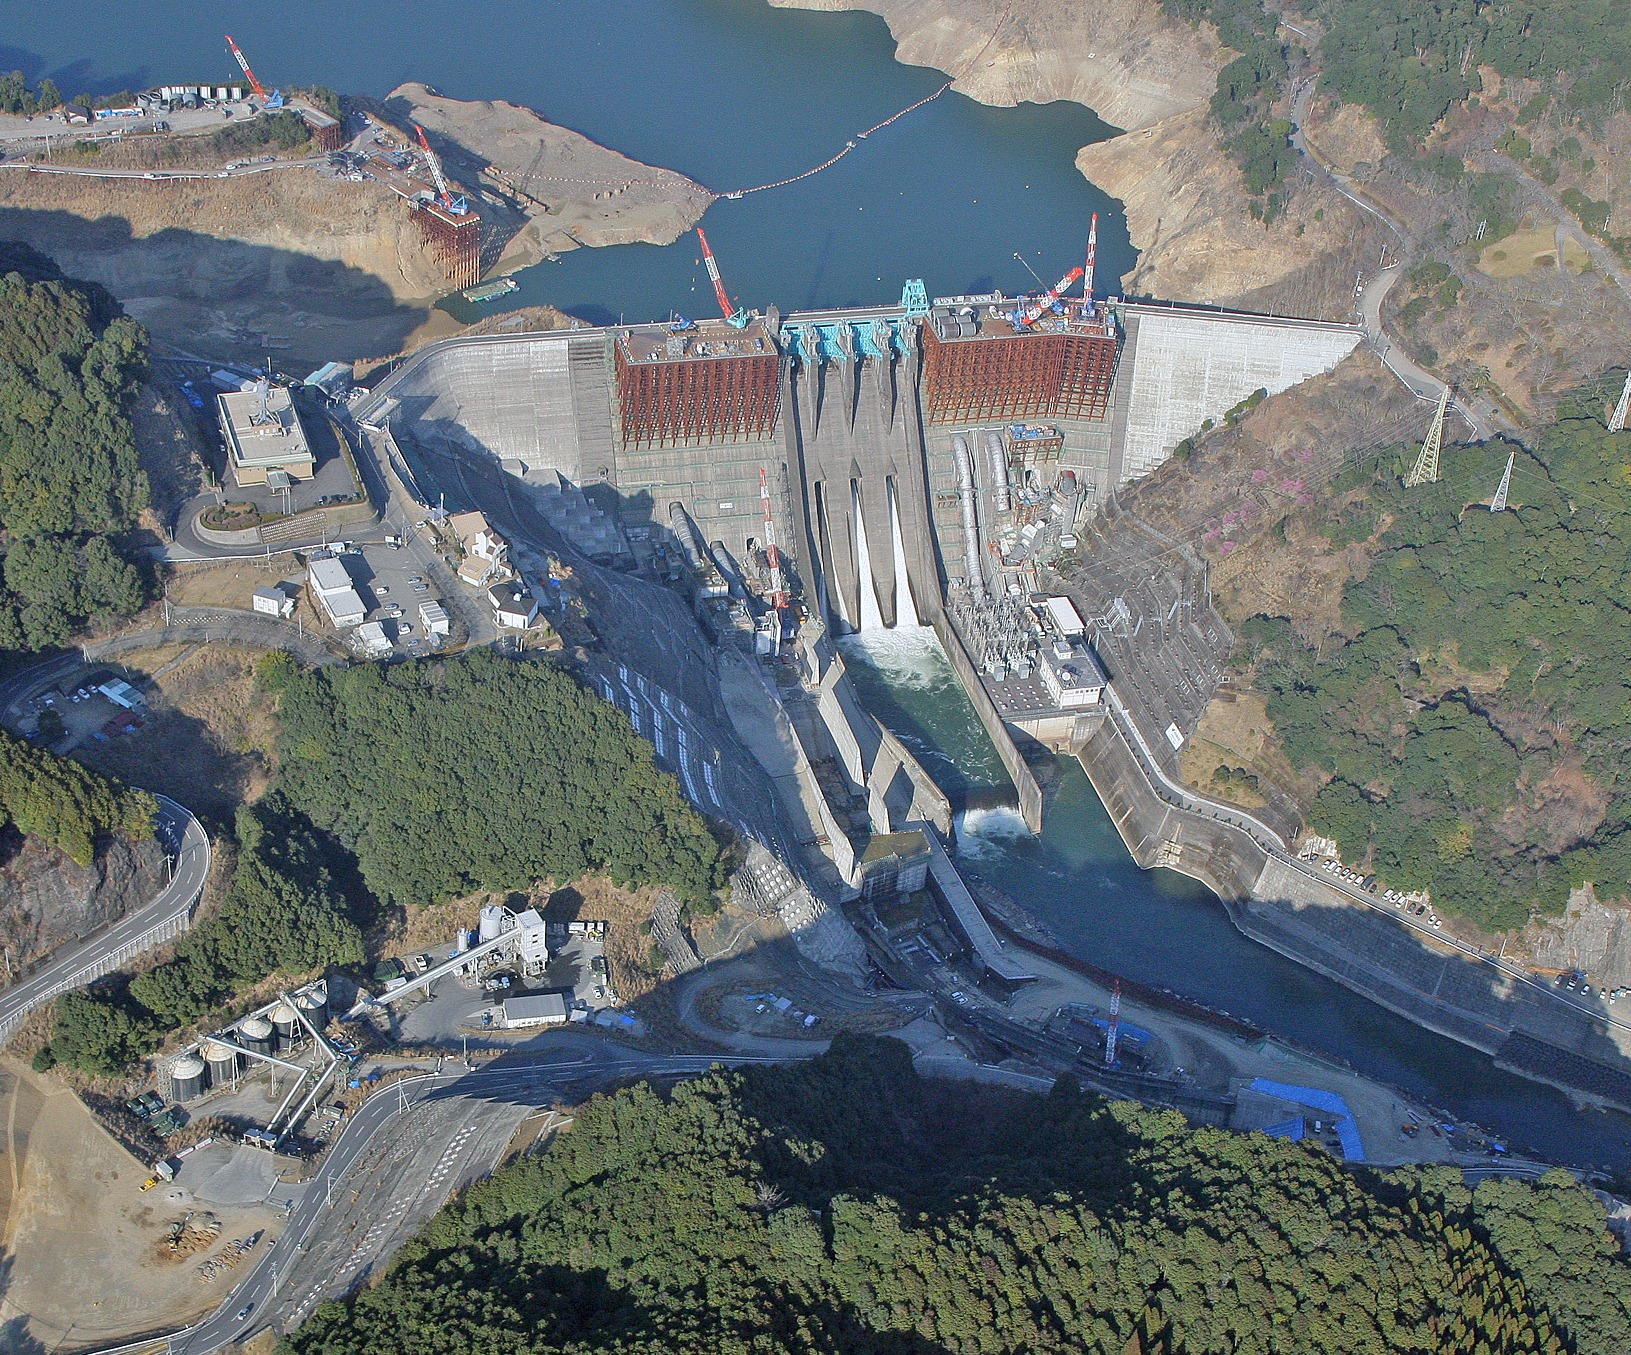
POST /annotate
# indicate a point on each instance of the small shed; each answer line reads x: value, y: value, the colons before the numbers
x: 273, y: 602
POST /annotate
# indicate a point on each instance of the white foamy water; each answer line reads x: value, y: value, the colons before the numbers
x: 989, y: 831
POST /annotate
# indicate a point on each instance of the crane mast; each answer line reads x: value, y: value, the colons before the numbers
x: 1027, y: 316
x: 733, y: 315
x: 773, y: 555
x: 1092, y: 253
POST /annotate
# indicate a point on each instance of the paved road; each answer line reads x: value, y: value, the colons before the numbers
x: 73, y: 966
x: 445, y: 1119
x: 243, y: 171
x: 1482, y: 415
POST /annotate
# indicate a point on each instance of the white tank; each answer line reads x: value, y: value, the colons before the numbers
x: 186, y: 1078
x: 256, y: 1034
x: 284, y: 1022
x: 222, y: 1061
x: 492, y: 922
x: 462, y: 941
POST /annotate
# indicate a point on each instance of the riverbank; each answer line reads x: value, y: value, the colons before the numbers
x: 1152, y: 76
x: 1283, y: 906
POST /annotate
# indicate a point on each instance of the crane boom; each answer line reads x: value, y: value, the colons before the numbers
x: 254, y: 84
x: 1029, y: 315
x: 435, y: 168
x: 1092, y: 253
x: 733, y: 315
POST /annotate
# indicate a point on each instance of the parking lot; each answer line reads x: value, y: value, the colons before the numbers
x: 392, y: 583
x: 64, y: 717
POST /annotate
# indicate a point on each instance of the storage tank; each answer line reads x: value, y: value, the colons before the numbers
x: 461, y: 943
x: 285, y: 1023
x: 222, y: 1062
x: 492, y: 922
x: 256, y: 1034
x: 186, y: 1078
x: 313, y: 1005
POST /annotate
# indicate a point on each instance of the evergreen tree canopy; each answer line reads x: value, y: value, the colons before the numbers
x: 845, y: 1205
x: 65, y: 803
x: 69, y: 476
x: 484, y: 773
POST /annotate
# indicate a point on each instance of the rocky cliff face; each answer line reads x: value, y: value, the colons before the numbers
x: 46, y: 899
x: 1124, y: 59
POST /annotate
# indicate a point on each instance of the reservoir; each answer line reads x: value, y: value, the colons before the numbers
x: 734, y: 93
x: 731, y: 93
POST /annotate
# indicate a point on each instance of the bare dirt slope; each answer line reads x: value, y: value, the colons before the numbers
x: 84, y: 1264
x: 1122, y: 58
x: 570, y: 189
x: 321, y: 267
x: 46, y: 899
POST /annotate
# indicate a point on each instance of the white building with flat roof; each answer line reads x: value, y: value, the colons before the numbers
x: 273, y: 602
x: 263, y: 433
x: 331, y: 586
x: 539, y: 1009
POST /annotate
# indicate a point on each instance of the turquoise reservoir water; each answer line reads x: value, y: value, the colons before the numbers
x: 1165, y: 929
x: 730, y: 92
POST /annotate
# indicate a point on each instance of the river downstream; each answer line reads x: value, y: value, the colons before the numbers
x: 1165, y: 929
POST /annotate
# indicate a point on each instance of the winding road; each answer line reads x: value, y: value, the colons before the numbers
x: 169, y: 911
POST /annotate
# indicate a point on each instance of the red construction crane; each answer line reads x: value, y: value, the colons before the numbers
x: 773, y: 556
x: 457, y: 205
x: 733, y: 315
x: 1027, y: 316
x: 1092, y: 251
x: 254, y: 84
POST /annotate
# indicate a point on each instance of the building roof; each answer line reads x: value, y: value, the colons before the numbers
x: 280, y: 441
x: 276, y: 595
x: 329, y: 576
x: 343, y: 606
x: 986, y: 317
x: 535, y: 1007
x: 466, y: 525
x: 906, y: 846
x: 708, y: 339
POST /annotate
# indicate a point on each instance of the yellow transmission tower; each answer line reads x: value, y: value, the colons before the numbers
x: 1425, y: 471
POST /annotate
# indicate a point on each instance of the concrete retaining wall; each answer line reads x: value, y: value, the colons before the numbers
x: 1019, y: 771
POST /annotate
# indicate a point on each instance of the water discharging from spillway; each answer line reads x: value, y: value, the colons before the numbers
x: 870, y: 619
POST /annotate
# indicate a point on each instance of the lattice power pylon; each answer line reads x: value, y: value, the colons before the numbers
x: 1498, y: 503
x: 1425, y: 471
x: 1616, y: 424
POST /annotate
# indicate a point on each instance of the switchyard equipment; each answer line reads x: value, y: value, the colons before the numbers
x: 272, y: 100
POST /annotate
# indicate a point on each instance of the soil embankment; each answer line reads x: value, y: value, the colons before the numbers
x: 550, y: 188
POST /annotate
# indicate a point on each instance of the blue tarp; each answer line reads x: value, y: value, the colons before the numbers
x: 1136, y: 1036
x: 1343, y: 1121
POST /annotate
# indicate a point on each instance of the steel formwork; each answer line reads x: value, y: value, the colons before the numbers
x: 1017, y: 376
x: 455, y: 242
x: 675, y: 402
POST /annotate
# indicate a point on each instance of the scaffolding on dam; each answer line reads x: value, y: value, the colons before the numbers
x: 689, y: 384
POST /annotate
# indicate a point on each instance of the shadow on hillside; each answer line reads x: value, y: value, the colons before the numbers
x: 220, y: 297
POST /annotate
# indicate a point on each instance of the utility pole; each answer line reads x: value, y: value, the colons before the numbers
x: 1425, y: 471
x: 1498, y: 503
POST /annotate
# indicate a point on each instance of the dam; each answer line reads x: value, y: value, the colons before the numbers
x: 922, y: 463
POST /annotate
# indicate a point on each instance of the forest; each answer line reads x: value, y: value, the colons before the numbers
x: 1406, y: 63
x: 484, y: 773
x: 70, y: 481
x: 847, y: 1205
x: 66, y: 804
x: 282, y: 914
x: 1474, y: 719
